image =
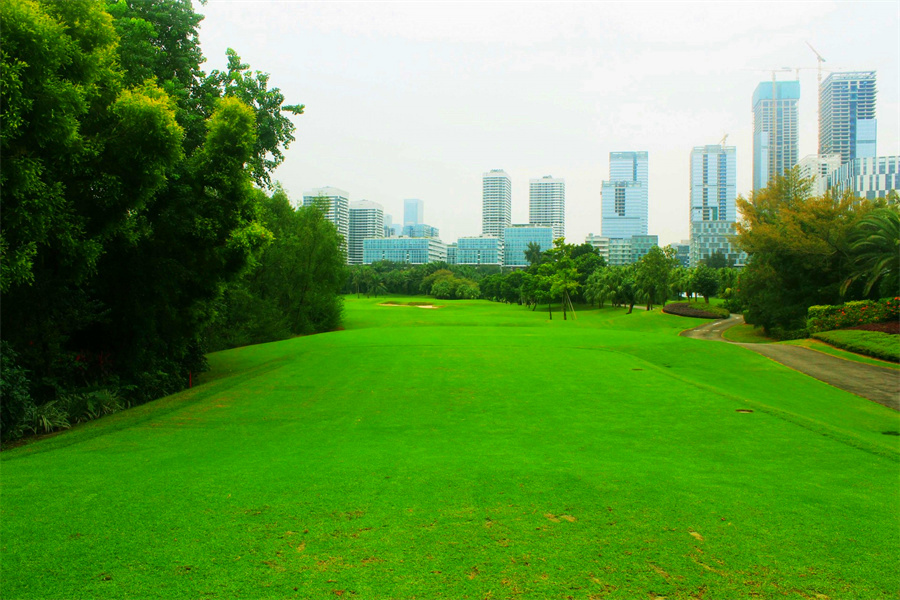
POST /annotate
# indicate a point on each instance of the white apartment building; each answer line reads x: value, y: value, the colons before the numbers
x: 547, y: 204
x: 366, y: 223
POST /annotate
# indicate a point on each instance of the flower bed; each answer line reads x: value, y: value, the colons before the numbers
x: 851, y: 314
x: 696, y: 309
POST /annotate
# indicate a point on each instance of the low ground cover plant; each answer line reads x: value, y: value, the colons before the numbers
x: 700, y: 310
x: 878, y: 344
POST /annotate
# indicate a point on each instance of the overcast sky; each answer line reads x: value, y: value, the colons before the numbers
x: 417, y: 100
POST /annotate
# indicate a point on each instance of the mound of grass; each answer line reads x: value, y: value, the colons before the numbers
x: 476, y: 451
x: 699, y: 310
x: 881, y: 345
x: 746, y: 334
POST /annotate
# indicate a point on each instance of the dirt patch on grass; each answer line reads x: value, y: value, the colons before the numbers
x: 409, y: 305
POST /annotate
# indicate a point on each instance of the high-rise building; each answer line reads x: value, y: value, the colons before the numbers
x: 713, y: 183
x: 625, y: 197
x: 775, y: 130
x: 336, y: 205
x: 413, y: 212
x: 388, y: 226
x: 496, y: 204
x: 547, y: 204
x: 817, y: 168
x: 713, y: 210
x: 847, y: 124
x: 867, y: 177
x: 366, y: 222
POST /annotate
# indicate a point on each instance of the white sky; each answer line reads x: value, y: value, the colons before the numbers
x: 417, y: 100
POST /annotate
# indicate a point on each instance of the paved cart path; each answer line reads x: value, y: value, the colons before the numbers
x: 879, y: 384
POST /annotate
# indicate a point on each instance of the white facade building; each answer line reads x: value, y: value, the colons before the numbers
x: 336, y: 204
x: 496, y: 206
x: 547, y: 204
x: 817, y: 168
x: 366, y: 222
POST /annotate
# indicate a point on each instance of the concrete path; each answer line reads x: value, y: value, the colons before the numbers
x: 879, y: 384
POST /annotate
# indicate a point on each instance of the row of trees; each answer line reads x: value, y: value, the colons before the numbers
x: 132, y: 201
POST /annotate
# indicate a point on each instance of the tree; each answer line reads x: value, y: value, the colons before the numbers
x: 654, y: 272
x: 127, y: 177
x: 799, y: 251
x: 533, y: 253
x: 875, y: 247
x: 718, y: 260
x: 705, y: 282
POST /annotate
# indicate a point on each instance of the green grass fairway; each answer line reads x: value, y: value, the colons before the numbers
x: 476, y: 450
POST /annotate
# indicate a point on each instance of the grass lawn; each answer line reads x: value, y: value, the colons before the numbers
x: 877, y: 344
x: 747, y: 334
x: 476, y: 450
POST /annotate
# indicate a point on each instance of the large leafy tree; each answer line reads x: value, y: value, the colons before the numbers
x: 799, y: 250
x: 127, y: 176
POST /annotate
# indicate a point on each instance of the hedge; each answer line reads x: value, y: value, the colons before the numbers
x: 829, y: 318
x: 885, y: 346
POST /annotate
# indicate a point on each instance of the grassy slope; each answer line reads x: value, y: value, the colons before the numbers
x: 472, y: 451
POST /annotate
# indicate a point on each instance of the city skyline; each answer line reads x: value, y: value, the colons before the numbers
x: 418, y: 101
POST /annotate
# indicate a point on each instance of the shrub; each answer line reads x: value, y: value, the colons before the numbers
x: 699, y: 310
x: 885, y: 346
x: 831, y: 317
x: 15, y: 398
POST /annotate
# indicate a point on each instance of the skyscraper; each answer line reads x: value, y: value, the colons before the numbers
x: 774, y: 130
x: 625, y: 197
x: 366, y: 222
x: 496, y: 207
x: 713, y: 209
x: 847, y: 124
x: 336, y: 204
x: 547, y: 204
x: 413, y: 212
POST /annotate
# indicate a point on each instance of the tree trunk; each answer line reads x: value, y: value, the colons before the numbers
x: 630, y: 308
x: 550, y: 310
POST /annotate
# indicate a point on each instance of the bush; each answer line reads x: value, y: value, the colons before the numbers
x: 15, y: 399
x: 699, y: 310
x: 885, y: 346
x: 831, y: 317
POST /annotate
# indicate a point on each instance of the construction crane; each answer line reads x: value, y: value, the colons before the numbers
x: 722, y: 143
x: 819, y: 59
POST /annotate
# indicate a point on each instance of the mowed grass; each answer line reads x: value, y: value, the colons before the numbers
x: 476, y: 450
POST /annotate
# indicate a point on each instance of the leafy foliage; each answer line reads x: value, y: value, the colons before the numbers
x: 799, y: 248
x: 829, y: 317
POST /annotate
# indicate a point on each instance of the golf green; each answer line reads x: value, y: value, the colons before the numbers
x: 475, y: 450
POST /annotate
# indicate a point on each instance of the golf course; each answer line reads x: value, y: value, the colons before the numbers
x: 470, y: 450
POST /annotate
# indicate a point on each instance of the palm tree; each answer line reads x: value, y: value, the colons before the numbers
x: 875, y: 246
